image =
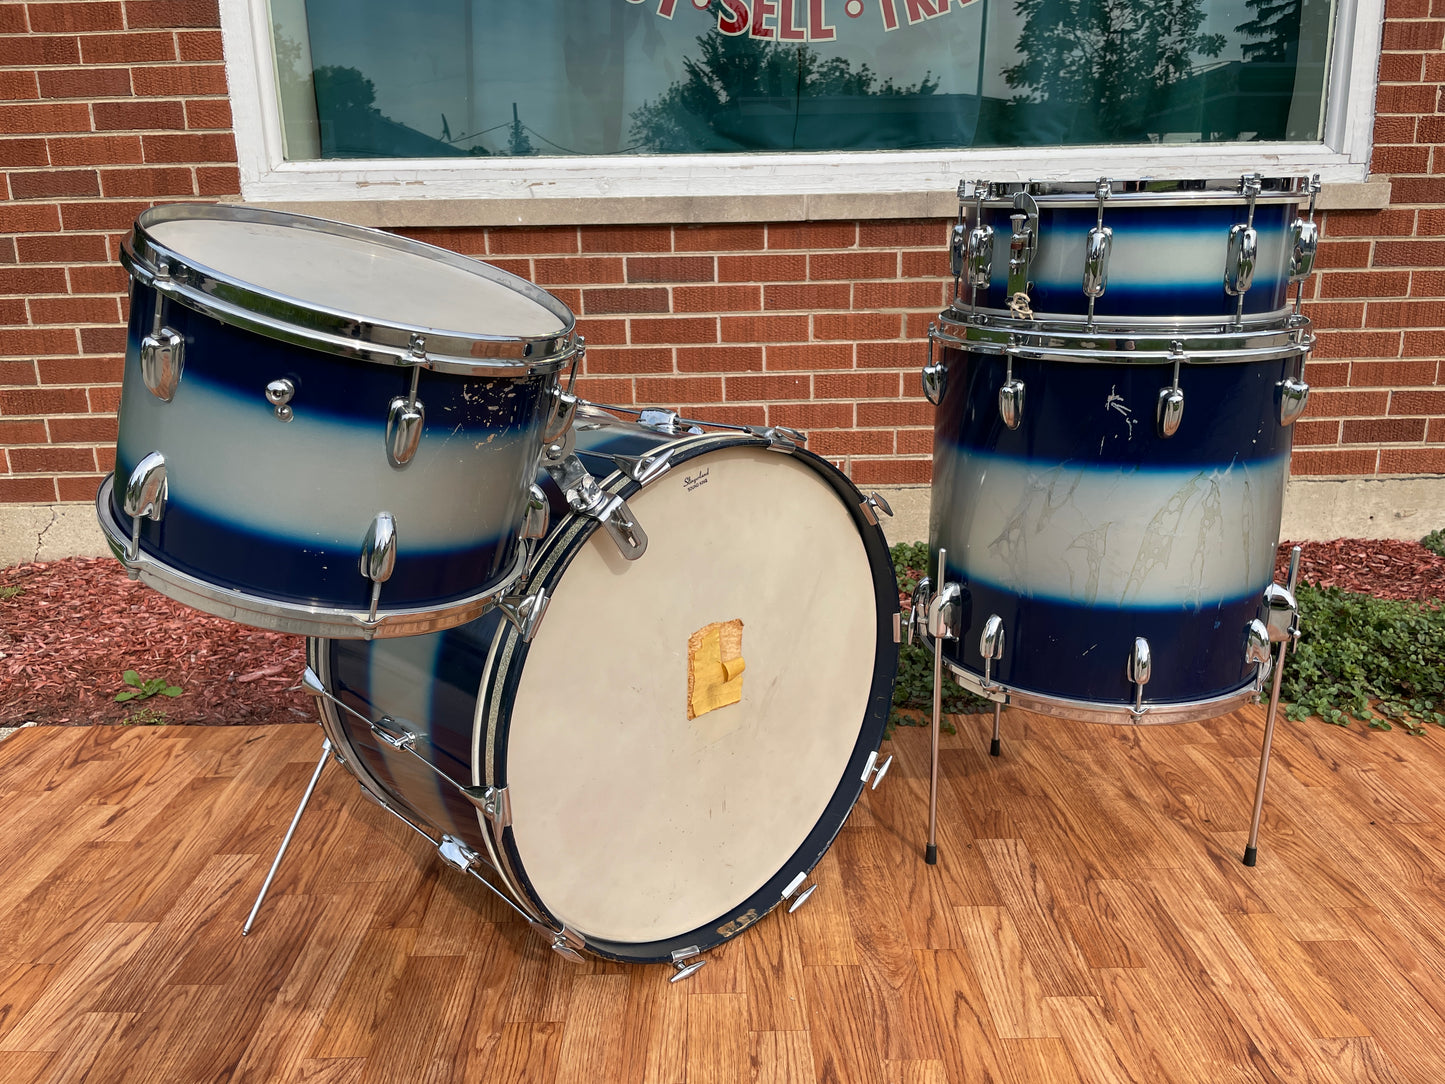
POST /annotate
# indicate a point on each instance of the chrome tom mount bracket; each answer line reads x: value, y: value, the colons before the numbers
x: 1243, y: 250
x: 585, y: 497
x: 162, y: 352
x: 406, y: 415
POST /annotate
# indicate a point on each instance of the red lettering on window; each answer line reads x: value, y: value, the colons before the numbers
x: 665, y: 8
x: 890, y: 16
x: 734, y: 17
x: 761, y: 10
x: 818, y: 30
x: 787, y: 31
x: 918, y: 10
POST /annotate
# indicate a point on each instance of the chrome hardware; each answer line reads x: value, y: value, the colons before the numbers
x: 1256, y: 642
x: 327, y: 751
x: 1011, y: 393
x: 312, y: 684
x: 564, y: 403
x: 1306, y: 238
x: 145, y: 498
x: 958, y: 244
x: 807, y: 893
x: 780, y: 438
x: 585, y: 497
x: 935, y: 373
x: 494, y: 802
x: 565, y: 943
x: 622, y: 525
x: 1023, y: 243
x: 876, y: 773
x: 644, y: 468
x: 536, y: 514
x: 391, y: 733
x: 918, y: 607
x: 458, y: 855
x: 1239, y: 266
x: 795, y: 884
x: 525, y: 611
x: 684, y: 969
x: 897, y: 627
x: 990, y: 646
x: 1139, y: 670
x: 872, y: 505
x: 378, y: 555
x: 162, y: 352
x: 980, y: 257
x: 405, y: 419
x: 1097, y: 246
x: 1281, y: 625
x: 279, y: 394
x: 664, y: 421
x: 1169, y: 411
x: 945, y: 610
x: 1294, y: 396
x: 1280, y: 612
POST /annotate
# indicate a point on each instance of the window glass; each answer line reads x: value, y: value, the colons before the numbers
x: 458, y: 78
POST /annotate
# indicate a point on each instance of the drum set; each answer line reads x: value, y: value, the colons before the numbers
x: 632, y: 672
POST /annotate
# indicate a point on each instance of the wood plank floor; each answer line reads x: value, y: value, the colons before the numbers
x: 1089, y: 921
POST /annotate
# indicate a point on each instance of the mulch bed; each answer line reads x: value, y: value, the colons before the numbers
x: 77, y: 625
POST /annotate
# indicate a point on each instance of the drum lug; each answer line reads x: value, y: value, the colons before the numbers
x: 684, y: 969
x: 494, y: 802
x: 872, y: 505
x: 945, y: 610
x: 935, y: 374
x: 1243, y: 252
x: 1294, y: 396
x: 537, y: 517
x: 279, y: 394
x: 1305, y: 242
x: 405, y: 418
x: 958, y: 246
x: 1011, y: 393
x: 525, y: 611
x: 392, y: 734
x: 644, y: 468
x: 564, y: 403
x: 1169, y: 411
x: 1097, y: 247
x: 875, y: 771
x: 378, y: 555
x: 1140, y: 669
x: 145, y: 498
x: 162, y: 352
x: 990, y: 646
x: 980, y: 257
x: 1258, y: 650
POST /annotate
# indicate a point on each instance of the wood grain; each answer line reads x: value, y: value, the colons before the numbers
x: 1089, y: 920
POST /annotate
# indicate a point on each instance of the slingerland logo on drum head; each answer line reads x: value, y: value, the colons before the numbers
x: 806, y: 20
x: 739, y: 924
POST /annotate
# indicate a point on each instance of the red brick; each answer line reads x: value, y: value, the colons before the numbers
x: 12, y: 311
x: 726, y: 414
x: 769, y: 388
x: 1391, y: 374
x: 98, y: 280
x: 1390, y: 130
x: 1354, y: 344
x: 1412, y: 36
x: 15, y: 374
x: 1336, y: 314
x: 898, y: 295
x: 927, y: 265
x: 169, y: 80
x: 1412, y: 460
x: 22, y: 341
x: 201, y: 45
x: 1407, y: 9
x: 810, y: 356
x: 780, y: 267
x: 884, y: 472
x: 813, y: 235
x: 1417, y: 190
x: 1334, y: 254
x: 1421, y: 344
x: 679, y: 389
x: 626, y: 238
x: 890, y: 355
x: 1417, y: 402
x: 138, y: 116
x: 1400, y: 160
x: 12, y: 19
x: 34, y: 51
x: 1404, y: 313
x: 7, y: 250
x: 1383, y: 430
x: 172, y: 13
x: 1434, y: 68
x: 1315, y: 432
x: 99, y: 150
x: 832, y: 442
x: 1401, y: 67
x: 190, y: 147
x: 717, y: 298
x: 605, y: 300
x: 852, y: 266
x: 1409, y: 253
x: 515, y: 242
x: 86, y: 370
x: 918, y: 412
x: 104, y: 400
x: 85, y: 83
x: 128, y: 48
x: 73, y: 487
x: 95, y: 428
x: 604, y: 332
x: 17, y: 86
x: 1345, y: 404
x: 628, y: 361
x: 1430, y: 130
x: 1390, y: 222
x: 764, y: 329
x: 678, y: 329
x: 601, y: 389
x: 1312, y: 461
x: 1436, y: 432
x: 915, y: 441
x: 1429, y: 283
x: 730, y: 238
x: 27, y: 490
x: 210, y: 113
x: 578, y: 270
x: 218, y: 181
x: 857, y: 325
x: 50, y: 183
x: 61, y: 248
x: 23, y: 152
x: 155, y: 181
x: 720, y: 359
x: 809, y: 416
x: 42, y: 117
x: 1365, y: 284
x: 1405, y: 99
x: 102, y: 340
x: 43, y: 401
x: 22, y: 432
x: 74, y: 310
x: 670, y: 269
x: 905, y: 233
x: 28, y: 217
x: 869, y: 385
x: 32, y: 280
x: 60, y: 18
x: 52, y: 459
x: 808, y: 296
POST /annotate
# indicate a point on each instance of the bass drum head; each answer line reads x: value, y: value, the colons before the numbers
x: 635, y: 825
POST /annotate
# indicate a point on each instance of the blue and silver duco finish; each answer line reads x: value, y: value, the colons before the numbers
x: 326, y: 429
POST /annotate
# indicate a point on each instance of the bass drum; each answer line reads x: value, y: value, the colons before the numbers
x: 616, y: 820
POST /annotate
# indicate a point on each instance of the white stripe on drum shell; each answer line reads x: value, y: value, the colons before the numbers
x: 1157, y: 258
x: 319, y: 481
x: 1110, y: 536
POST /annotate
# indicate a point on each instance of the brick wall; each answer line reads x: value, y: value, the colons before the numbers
x: 107, y: 107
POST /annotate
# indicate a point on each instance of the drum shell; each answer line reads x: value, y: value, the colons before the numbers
x: 279, y: 510
x: 1167, y: 262
x: 1085, y: 528
x: 463, y: 685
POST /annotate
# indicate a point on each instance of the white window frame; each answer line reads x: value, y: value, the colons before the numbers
x: 1341, y: 157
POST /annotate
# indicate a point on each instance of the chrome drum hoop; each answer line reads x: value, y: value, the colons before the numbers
x: 1124, y: 344
x: 1147, y: 192
x: 254, y: 308
x: 293, y: 617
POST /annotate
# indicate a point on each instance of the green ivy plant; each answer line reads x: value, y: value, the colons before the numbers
x: 145, y: 688
x: 1435, y: 542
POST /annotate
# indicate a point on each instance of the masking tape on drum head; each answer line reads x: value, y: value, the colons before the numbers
x: 715, y: 667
